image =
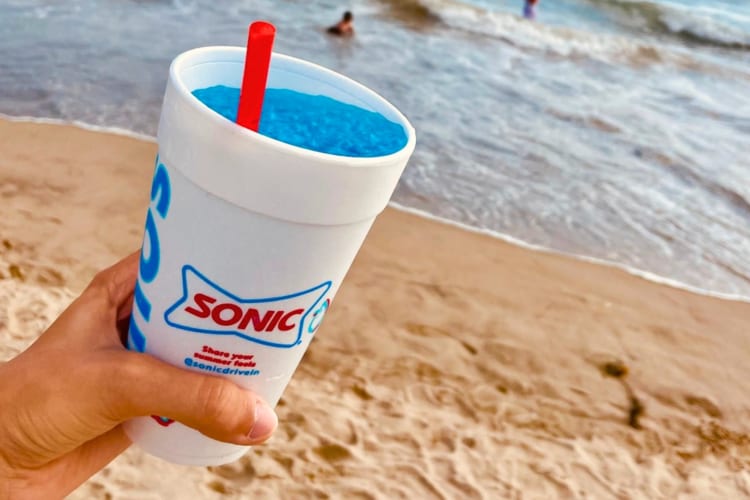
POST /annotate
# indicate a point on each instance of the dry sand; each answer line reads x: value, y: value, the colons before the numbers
x: 452, y: 365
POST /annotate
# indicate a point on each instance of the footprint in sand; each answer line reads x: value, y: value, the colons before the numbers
x: 28, y: 311
x: 422, y: 330
x: 332, y: 452
x: 48, y: 276
x: 99, y: 490
x: 240, y: 473
x: 361, y: 392
x: 705, y: 405
x: 515, y: 357
x: 219, y: 487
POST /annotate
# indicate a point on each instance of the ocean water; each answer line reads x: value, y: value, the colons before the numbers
x: 614, y: 129
x: 313, y: 122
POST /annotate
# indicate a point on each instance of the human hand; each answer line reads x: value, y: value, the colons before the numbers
x: 63, y: 399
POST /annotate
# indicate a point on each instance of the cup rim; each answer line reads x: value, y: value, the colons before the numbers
x: 237, y: 54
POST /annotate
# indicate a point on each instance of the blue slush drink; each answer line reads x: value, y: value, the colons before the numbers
x: 314, y: 122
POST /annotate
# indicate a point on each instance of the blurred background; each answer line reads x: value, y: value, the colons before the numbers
x: 614, y: 129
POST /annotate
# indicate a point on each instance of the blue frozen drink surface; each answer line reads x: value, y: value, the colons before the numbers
x: 314, y: 122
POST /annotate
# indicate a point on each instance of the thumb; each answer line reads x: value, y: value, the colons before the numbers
x: 215, y: 406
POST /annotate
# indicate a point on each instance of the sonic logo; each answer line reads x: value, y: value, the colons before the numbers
x: 205, y: 307
x: 231, y: 314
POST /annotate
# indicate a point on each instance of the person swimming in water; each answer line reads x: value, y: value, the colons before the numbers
x: 345, y: 27
x: 529, y: 10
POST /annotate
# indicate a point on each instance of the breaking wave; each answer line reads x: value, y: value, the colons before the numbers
x: 702, y: 25
x: 697, y: 24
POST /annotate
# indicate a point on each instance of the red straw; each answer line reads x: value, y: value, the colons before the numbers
x: 257, y: 60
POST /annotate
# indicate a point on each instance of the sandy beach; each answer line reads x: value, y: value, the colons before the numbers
x: 452, y: 364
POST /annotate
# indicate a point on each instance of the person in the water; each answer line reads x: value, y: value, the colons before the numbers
x: 345, y: 27
x: 529, y: 9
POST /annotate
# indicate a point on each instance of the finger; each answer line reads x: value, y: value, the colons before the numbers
x: 213, y: 405
x: 117, y: 283
x: 63, y: 475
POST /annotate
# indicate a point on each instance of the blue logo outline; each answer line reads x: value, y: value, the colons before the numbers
x: 326, y: 286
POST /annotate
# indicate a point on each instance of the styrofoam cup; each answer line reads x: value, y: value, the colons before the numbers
x: 247, y: 239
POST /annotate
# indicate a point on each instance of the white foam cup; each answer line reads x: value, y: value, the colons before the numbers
x: 247, y: 239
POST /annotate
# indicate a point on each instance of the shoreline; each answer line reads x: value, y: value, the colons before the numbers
x: 634, y: 271
x: 507, y: 238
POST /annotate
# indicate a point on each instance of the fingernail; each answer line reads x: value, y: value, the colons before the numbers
x: 265, y: 421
